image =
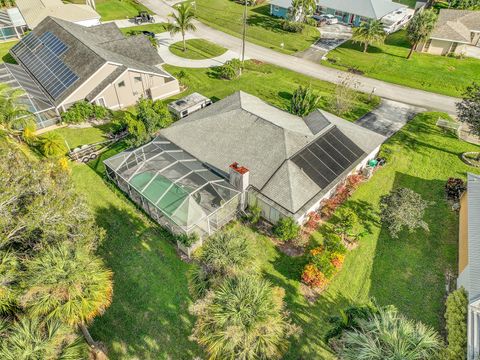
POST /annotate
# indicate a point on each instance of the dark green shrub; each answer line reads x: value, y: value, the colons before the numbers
x: 304, y: 101
x: 292, y: 26
x: 83, y: 111
x: 456, y: 324
x: 255, y: 213
x: 188, y: 240
x: 230, y: 70
x: 286, y: 229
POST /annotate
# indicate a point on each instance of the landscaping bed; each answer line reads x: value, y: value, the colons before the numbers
x: 154, y: 28
x: 263, y: 29
x: 197, y: 49
x: 388, y: 62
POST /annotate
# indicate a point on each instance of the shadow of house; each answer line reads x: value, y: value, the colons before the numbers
x: 150, y: 290
x: 408, y: 272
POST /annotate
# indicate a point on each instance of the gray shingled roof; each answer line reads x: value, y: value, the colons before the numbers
x: 373, y: 9
x: 242, y: 128
x: 89, y: 48
x: 456, y: 25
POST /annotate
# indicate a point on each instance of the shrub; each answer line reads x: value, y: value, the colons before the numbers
x: 456, y: 324
x: 346, y: 222
x: 153, y: 114
x: 353, y: 181
x: 454, y: 188
x: 52, y: 145
x: 403, y: 208
x: 230, y: 70
x: 292, y: 26
x: 255, y: 213
x: 83, y: 111
x: 313, y: 277
x: 313, y: 221
x: 286, y: 229
x: 304, y: 101
x: 188, y: 240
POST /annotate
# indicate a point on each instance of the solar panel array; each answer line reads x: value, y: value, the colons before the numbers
x: 328, y: 157
x: 41, y: 57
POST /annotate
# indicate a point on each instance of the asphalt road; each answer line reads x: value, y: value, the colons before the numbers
x: 386, y: 90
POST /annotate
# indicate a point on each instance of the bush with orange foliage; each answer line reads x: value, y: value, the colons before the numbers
x: 313, y: 277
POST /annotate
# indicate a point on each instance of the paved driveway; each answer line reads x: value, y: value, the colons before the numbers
x: 331, y: 36
x: 389, y: 117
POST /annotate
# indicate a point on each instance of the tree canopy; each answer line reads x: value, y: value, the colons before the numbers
x: 469, y: 108
x: 369, y: 32
x: 420, y: 27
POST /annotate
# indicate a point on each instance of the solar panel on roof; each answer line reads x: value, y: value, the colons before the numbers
x: 40, y: 56
x: 328, y: 157
x: 53, y: 43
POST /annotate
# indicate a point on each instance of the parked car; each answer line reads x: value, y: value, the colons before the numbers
x: 148, y: 33
x: 325, y: 19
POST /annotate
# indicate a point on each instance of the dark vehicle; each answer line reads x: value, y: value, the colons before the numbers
x: 143, y: 17
x: 148, y: 33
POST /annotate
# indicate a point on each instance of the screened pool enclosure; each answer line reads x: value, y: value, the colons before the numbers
x: 176, y: 189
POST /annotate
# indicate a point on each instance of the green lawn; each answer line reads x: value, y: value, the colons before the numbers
x: 4, y: 52
x: 410, y: 3
x: 76, y: 137
x: 440, y: 74
x: 155, y: 28
x: 116, y: 9
x: 197, y: 49
x: 269, y: 82
x: 149, y: 320
x: 263, y: 29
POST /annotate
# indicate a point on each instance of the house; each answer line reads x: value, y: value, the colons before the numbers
x: 12, y: 24
x: 454, y: 33
x: 35, y: 11
x: 70, y: 62
x: 353, y: 12
x: 469, y: 260
x: 254, y: 153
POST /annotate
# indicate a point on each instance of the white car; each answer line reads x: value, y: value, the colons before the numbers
x: 326, y: 18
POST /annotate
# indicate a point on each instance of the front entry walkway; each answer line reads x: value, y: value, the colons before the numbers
x: 164, y: 42
x: 389, y: 117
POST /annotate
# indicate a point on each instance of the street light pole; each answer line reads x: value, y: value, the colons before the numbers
x: 244, y: 34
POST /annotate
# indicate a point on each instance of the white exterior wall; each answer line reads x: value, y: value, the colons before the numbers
x: 473, y: 352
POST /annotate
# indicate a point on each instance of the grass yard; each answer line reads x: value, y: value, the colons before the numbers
x: 4, y: 52
x: 409, y: 3
x: 116, y: 9
x: 197, y: 49
x: 263, y: 29
x: 154, y: 28
x: 76, y: 137
x: 269, y: 82
x: 149, y: 319
x: 440, y: 74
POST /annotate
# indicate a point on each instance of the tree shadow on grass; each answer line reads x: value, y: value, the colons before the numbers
x: 149, y: 315
x: 408, y: 272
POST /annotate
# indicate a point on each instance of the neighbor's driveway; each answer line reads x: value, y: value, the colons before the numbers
x: 331, y: 36
x: 386, y: 90
x: 389, y: 117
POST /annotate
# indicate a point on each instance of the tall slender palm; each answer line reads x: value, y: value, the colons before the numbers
x: 389, y: 335
x: 244, y: 318
x: 369, y: 32
x: 182, y: 21
x: 13, y: 114
x: 420, y: 28
x: 70, y: 285
x: 32, y: 339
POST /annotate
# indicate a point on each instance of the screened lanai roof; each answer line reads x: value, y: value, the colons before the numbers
x: 176, y: 183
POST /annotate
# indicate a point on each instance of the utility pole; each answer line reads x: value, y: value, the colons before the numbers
x: 244, y: 33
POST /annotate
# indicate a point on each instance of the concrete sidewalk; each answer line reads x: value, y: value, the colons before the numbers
x: 164, y: 42
x: 387, y: 90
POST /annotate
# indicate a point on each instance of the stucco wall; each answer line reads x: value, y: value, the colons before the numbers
x: 278, y: 11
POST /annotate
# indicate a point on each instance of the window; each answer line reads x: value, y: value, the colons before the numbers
x: 121, y: 84
x: 276, y: 8
x: 138, y: 78
x: 101, y: 102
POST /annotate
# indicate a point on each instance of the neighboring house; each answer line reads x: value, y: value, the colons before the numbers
x: 469, y: 260
x: 70, y: 63
x: 353, y: 12
x: 455, y: 31
x: 284, y: 163
x: 34, y: 11
x: 12, y: 24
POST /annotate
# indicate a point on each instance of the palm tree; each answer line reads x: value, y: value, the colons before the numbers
x: 9, y: 267
x: 31, y: 339
x: 244, y: 318
x: 13, y: 114
x: 70, y: 285
x: 369, y: 32
x: 182, y: 21
x: 389, y: 335
x: 52, y: 144
x: 420, y: 28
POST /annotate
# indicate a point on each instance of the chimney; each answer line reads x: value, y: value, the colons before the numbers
x: 240, y: 179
